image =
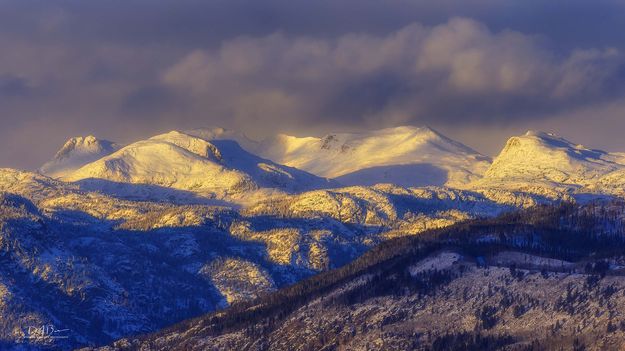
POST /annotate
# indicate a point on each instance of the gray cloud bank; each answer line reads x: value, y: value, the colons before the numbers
x: 127, y: 69
x: 456, y: 72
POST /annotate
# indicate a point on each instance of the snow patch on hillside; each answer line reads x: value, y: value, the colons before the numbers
x: 439, y: 262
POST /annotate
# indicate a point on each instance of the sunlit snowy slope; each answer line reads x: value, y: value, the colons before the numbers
x: 545, y: 159
x: 181, y: 161
x: 407, y: 156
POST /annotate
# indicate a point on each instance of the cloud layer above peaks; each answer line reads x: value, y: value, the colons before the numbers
x: 455, y: 72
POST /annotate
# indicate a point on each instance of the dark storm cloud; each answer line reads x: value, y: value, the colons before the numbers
x: 125, y: 69
x: 570, y: 23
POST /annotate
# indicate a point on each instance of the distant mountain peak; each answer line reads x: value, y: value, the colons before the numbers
x: 540, y: 157
x: 178, y: 160
x: 548, y: 137
x: 406, y: 155
x: 79, y: 144
x: 75, y: 153
x: 192, y: 144
x: 549, y: 142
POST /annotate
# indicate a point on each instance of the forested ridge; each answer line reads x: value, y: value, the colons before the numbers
x: 589, y: 239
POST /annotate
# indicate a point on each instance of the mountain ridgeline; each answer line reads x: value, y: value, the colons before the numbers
x: 405, y: 156
x: 219, y: 163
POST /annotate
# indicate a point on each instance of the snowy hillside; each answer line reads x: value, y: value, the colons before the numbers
x: 546, y: 159
x: 181, y: 161
x: 77, y: 152
x: 406, y: 156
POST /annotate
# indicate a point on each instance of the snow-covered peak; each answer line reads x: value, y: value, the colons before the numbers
x: 553, y: 140
x: 83, y: 145
x: 539, y: 157
x: 406, y: 155
x: 192, y: 144
x: 404, y: 137
x: 181, y: 161
x: 75, y: 153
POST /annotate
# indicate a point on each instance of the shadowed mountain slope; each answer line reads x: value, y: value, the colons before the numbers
x: 541, y: 279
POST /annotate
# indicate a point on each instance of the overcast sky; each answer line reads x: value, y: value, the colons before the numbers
x: 477, y: 70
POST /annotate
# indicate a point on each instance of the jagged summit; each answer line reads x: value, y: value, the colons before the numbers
x: 181, y: 161
x: 75, y: 153
x: 405, y: 155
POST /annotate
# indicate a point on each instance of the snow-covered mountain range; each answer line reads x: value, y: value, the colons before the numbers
x: 225, y: 164
x: 133, y: 238
x: 406, y: 156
